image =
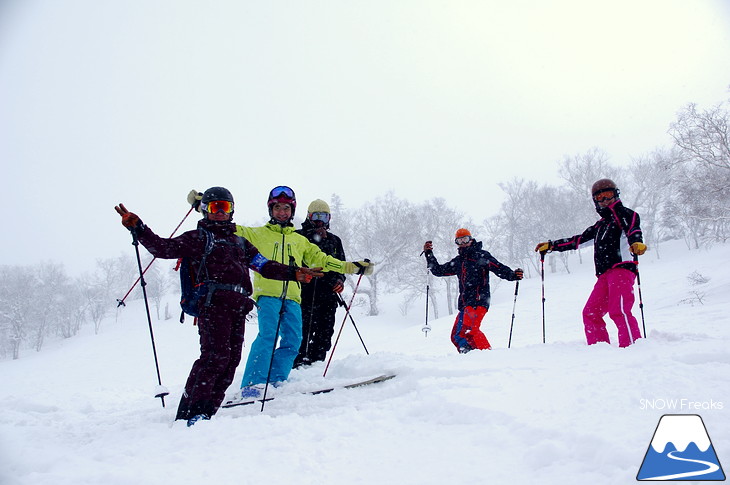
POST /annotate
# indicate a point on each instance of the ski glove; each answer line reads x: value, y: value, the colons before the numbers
x: 519, y: 274
x: 194, y: 198
x: 638, y: 248
x: 359, y: 267
x: 130, y: 220
x: 544, y: 247
x: 338, y: 287
x: 428, y: 246
x: 305, y: 275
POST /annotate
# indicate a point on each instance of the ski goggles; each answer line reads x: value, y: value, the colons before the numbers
x: 218, y: 206
x: 462, y: 239
x: 281, y: 190
x: 604, y: 195
x: 320, y: 216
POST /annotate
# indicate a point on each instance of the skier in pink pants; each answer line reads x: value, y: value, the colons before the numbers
x: 616, y: 237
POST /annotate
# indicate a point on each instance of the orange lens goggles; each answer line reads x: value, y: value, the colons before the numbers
x: 604, y: 195
x: 217, y: 206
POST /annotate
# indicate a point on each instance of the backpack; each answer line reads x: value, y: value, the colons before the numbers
x: 192, y: 289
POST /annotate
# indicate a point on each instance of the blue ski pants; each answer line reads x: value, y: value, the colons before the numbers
x: 290, y: 333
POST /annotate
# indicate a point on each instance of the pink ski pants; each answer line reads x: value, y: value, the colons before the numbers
x: 612, y: 294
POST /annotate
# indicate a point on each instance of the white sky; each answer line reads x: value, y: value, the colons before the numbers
x: 140, y: 101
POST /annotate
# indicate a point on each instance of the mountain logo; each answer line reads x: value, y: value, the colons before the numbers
x: 681, y: 450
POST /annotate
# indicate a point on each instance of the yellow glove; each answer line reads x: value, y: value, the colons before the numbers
x: 638, y: 248
x: 544, y: 247
x: 194, y: 198
x: 359, y: 267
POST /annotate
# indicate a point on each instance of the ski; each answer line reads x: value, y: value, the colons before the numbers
x: 374, y: 380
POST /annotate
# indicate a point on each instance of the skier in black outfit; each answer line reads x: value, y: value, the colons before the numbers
x: 472, y: 266
x: 617, y: 239
x: 320, y: 297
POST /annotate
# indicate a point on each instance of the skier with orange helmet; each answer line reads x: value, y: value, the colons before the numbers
x: 472, y: 267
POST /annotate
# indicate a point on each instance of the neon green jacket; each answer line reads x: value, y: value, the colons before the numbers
x: 278, y: 243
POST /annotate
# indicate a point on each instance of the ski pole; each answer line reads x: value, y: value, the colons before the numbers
x: 282, y: 298
x: 347, y: 313
x: 120, y: 302
x: 426, y: 328
x: 311, y: 318
x: 517, y: 287
x: 334, y: 347
x: 161, y: 390
x: 542, y: 277
x: 641, y: 301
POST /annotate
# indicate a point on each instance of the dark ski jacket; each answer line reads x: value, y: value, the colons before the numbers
x: 332, y: 246
x: 472, y: 266
x: 229, y: 261
x: 612, y: 235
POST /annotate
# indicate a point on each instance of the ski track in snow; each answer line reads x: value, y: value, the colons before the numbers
x: 82, y: 411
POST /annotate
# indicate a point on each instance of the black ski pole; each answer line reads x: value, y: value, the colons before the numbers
x: 542, y: 277
x: 334, y: 347
x: 517, y: 287
x: 161, y: 390
x: 641, y: 301
x: 282, y: 298
x: 120, y: 301
x: 426, y: 328
x: 311, y: 319
x: 347, y: 313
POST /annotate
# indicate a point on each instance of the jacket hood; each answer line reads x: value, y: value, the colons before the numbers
x: 220, y: 229
x: 474, y: 246
x: 608, y: 210
x: 278, y: 228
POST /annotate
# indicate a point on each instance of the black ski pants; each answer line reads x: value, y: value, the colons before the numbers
x: 221, y: 328
x: 318, y: 326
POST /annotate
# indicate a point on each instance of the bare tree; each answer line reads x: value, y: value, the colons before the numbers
x: 17, y: 303
x: 703, y: 136
x: 383, y: 234
x: 157, y: 280
x: 651, y: 178
x: 703, y: 140
x: 52, y: 284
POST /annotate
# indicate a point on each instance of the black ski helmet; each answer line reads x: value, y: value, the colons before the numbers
x: 216, y: 193
x: 282, y: 195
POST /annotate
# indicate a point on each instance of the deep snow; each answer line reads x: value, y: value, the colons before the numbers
x: 82, y: 412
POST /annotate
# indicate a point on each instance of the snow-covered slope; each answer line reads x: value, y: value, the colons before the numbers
x: 82, y: 412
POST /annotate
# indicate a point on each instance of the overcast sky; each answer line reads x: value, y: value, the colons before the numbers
x: 139, y: 101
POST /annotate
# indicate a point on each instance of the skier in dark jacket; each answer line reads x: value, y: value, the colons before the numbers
x: 616, y: 237
x: 472, y: 266
x: 320, y: 297
x: 222, y: 318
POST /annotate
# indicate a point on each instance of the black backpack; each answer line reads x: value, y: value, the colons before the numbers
x: 192, y: 289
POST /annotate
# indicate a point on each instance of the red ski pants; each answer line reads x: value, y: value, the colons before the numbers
x: 466, y: 334
x: 613, y: 293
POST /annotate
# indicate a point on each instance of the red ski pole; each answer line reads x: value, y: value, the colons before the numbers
x: 343, y: 324
x: 120, y: 302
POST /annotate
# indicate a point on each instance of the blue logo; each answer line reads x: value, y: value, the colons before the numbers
x: 681, y: 450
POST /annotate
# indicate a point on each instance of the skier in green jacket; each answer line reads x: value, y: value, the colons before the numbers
x: 279, y: 304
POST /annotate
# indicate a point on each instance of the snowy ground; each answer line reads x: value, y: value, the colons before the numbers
x: 82, y: 411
